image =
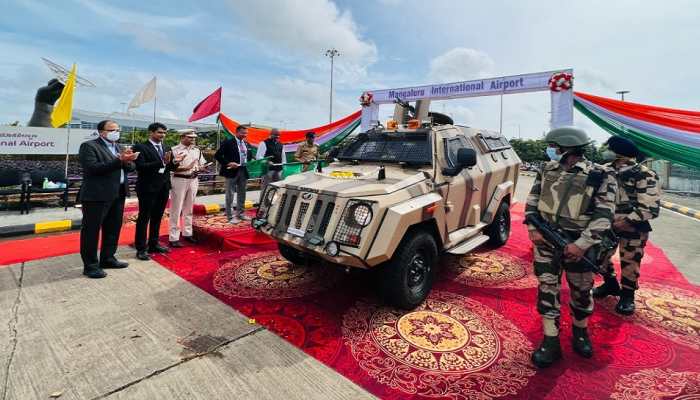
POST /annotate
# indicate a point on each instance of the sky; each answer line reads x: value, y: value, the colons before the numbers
x: 268, y: 55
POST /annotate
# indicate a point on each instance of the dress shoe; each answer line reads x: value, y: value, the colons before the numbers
x: 547, y: 353
x: 142, y: 255
x: 582, y: 343
x: 94, y: 272
x: 626, y: 304
x: 113, y: 263
x: 234, y: 221
x: 191, y: 239
x: 176, y: 244
x: 157, y: 248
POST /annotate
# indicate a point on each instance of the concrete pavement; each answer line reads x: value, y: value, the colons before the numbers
x: 142, y: 333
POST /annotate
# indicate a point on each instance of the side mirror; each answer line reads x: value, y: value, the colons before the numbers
x: 466, y: 157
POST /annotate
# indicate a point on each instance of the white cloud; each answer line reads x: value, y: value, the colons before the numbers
x: 460, y: 64
x: 305, y: 28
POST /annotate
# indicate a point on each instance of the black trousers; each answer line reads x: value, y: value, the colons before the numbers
x: 107, y: 217
x: 151, y: 209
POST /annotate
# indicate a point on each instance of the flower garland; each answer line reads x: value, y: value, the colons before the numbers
x: 366, y: 99
x: 561, y: 82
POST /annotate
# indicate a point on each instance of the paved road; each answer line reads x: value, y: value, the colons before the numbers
x: 676, y: 234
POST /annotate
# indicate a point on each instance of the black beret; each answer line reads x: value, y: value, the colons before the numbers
x: 622, y: 146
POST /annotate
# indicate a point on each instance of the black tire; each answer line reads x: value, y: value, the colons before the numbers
x: 407, y: 278
x: 292, y: 255
x: 499, y: 230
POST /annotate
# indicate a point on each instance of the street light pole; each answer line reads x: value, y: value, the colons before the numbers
x: 622, y: 94
x: 332, y: 53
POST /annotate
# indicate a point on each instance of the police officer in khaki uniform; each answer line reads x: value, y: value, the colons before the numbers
x: 307, y: 152
x: 184, y: 187
x: 638, y: 202
x: 578, y: 196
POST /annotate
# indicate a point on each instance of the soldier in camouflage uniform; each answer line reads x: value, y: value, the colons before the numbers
x: 578, y: 196
x: 307, y: 152
x: 637, y: 202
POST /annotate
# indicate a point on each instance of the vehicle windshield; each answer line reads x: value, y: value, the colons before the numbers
x: 392, y: 147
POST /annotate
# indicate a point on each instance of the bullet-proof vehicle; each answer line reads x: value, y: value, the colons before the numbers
x: 396, y: 198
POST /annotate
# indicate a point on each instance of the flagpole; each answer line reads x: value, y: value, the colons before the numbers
x: 67, y: 152
x: 155, y: 100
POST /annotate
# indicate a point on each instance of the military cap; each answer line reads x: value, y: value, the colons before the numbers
x: 568, y: 136
x: 622, y: 146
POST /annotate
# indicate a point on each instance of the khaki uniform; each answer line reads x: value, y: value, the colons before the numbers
x: 307, y: 153
x: 637, y: 201
x: 184, y: 190
x: 581, y: 201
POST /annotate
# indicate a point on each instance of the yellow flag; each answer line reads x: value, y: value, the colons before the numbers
x: 63, y: 109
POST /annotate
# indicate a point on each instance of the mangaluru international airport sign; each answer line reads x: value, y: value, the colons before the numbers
x: 33, y: 140
x: 479, y: 87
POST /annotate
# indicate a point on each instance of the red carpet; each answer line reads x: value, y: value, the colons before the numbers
x: 472, y: 338
x: 36, y: 248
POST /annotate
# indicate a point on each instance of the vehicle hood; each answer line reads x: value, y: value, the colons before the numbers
x: 354, y: 180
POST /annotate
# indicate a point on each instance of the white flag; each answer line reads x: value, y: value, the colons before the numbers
x: 146, y: 94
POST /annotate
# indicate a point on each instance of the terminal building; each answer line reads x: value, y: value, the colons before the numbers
x: 84, y: 119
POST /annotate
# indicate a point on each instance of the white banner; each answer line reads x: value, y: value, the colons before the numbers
x: 33, y: 140
x: 480, y: 87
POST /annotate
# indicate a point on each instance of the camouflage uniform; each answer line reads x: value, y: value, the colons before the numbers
x: 307, y: 153
x: 637, y: 201
x: 581, y: 201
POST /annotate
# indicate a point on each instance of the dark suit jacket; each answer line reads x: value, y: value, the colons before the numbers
x: 148, y: 164
x: 101, y: 172
x: 228, y: 152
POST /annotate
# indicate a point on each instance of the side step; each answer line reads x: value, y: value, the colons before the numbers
x: 469, y: 245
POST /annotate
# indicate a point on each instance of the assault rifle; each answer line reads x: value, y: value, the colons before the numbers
x: 558, y: 238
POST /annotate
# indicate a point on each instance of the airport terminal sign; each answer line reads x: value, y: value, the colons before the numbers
x: 479, y: 87
x: 33, y: 140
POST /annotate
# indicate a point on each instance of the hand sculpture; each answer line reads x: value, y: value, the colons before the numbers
x: 46, y: 96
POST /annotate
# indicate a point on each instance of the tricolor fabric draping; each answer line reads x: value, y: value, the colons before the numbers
x: 327, y: 136
x: 663, y: 133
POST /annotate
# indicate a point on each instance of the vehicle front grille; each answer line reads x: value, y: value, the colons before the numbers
x: 280, y: 209
x: 323, y: 226
x: 290, y: 210
x: 303, y: 208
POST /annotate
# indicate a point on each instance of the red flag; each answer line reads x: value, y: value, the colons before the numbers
x: 210, y: 105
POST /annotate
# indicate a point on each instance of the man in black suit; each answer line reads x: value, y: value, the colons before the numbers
x: 103, y: 191
x: 153, y: 165
x: 233, y: 155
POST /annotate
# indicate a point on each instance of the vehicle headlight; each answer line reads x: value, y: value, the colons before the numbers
x: 361, y: 214
x: 356, y: 216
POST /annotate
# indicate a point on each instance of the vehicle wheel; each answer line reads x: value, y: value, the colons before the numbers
x: 408, y: 277
x: 292, y: 255
x: 499, y: 230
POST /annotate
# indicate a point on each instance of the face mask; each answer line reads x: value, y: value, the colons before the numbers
x: 609, y: 155
x: 552, y: 154
x: 113, y: 136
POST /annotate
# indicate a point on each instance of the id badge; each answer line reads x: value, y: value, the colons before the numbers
x: 161, y: 171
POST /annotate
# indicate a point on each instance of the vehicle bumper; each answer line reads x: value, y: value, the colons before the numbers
x: 345, y: 257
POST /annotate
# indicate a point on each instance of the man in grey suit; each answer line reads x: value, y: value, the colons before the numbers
x: 104, y: 188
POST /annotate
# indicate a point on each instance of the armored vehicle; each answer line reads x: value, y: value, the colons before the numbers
x: 395, y: 198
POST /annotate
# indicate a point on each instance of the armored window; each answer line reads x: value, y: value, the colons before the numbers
x: 396, y: 147
x: 451, y: 148
x: 494, y: 143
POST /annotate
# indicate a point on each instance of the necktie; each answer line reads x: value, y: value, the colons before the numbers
x: 160, y: 151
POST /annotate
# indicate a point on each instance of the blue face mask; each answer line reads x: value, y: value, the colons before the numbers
x: 552, y: 154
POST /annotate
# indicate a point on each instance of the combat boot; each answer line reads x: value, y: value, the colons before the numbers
x: 609, y: 288
x: 582, y: 343
x: 626, y: 304
x: 547, y: 353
